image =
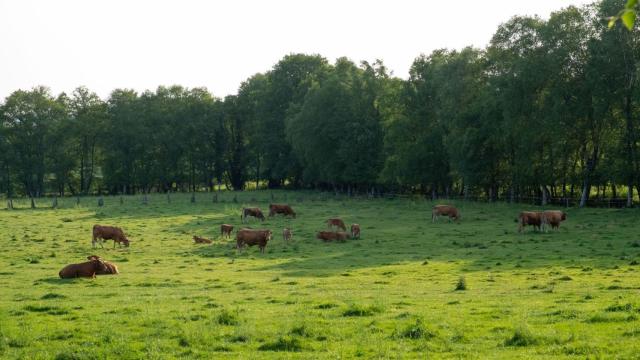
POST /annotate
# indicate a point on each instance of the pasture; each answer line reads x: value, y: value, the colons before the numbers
x: 407, y: 289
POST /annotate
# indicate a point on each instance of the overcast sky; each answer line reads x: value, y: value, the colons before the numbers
x: 106, y: 44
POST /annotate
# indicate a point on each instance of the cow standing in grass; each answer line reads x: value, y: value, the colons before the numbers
x: 355, y: 231
x: 553, y: 218
x: 336, y: 222
x: 101, y: 233
x: 532, y: 218
x: 445, y: 210
x: 251, y: 237
x: 226, y: 229
x: 255, y: 212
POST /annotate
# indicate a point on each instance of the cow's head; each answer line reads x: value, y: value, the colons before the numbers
x: 93, y: 257
x: 564, y: 216
x: 126, y: 242
x: 99, y: 266
x: 269, y: 233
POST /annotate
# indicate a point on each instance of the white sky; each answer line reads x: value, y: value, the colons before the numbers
x: 107, y: 44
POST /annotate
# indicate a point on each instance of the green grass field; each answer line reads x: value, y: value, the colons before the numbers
x: 573, y: 293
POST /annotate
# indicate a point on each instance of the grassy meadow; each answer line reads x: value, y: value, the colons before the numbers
x: 407, y: 289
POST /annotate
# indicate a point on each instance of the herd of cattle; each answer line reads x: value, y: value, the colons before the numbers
x: 247, y: 236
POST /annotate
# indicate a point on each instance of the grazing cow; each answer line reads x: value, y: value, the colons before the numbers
x: 112, y: 269
x: 337, y: 223
x: 101, y: 233
x: 283, y: 209
x: 255, y: 212
x: 533, y: 218
x: 445, y: 210
x: 85, y: 269
x: 226, y: 229
x: 287, y: 234
x: 201, y: 240
x: 252, y: 237
x: 553, y: 218
x: 355, y: 231
x: 332, y: 235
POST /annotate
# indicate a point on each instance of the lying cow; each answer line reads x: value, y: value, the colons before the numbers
x: 332, y: 235
x: 335, y: 222
x: 112, y: 269
x: 553, y: 218
x: 445, y: 210
x: 101, y: 233
x: 201, y: 240
x: 355, y: 231
x: 287, y: 234
x: 226, y: 229
x: 252, y: 237
x: 85, y: 269
x: 255, y: 212
x: 283, y: 209
x: 533, y: 218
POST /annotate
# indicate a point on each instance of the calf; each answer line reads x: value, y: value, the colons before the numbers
x: 255, y: 212
x: 445, y: 210
x: 226, y: 229
x: 533, y: 218
x: 201, y: 240
x: 287, y: 234
x: 252, y: 237
x: 112, y: 269
x: 553, y: 218
x: 355, y: 231
x: 337, y: 223
x: 331, y: 235
x: 101, y: 233
x: 283, y: 209
x: 85, y: 269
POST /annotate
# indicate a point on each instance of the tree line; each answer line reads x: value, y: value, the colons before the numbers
x: 548, y: 109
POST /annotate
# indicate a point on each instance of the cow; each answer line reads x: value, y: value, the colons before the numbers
x: 331, y: 235
x: 226, y: 229
x: 445, y: 210
x: 255, y: 212
x: 283, y: 209
x: 101, y: 233
x: 533, y: 218
x: 337, y: 223
x: 355, y: 231
x: 201, y: 240
x: 252, y: 237
x: 553, y: 218
x: 287, y: 234
x: 85, y: 269
x: 112, y: 269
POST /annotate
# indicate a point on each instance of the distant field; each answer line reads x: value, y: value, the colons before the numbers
x: 573, y: 293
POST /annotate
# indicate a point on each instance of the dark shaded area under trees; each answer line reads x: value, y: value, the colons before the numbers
x: 549, y: 110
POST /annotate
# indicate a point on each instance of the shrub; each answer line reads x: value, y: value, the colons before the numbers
x: 360, y: 310
x: 522, y: 337
x: 416, y: 331
x: 284, y: 343
x: 227, y: 317
x: 462, y: 284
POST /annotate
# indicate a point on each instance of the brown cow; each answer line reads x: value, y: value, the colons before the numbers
x: 533, y: 218
x: 201, y: 240
x: 101, y: 233
x: 252, y: 237
x: 553, y: 218
x: 446, y: 210
x: 255, y: 212
x: 337, y: 223
x: 332, y: 235
x: 226, y: 229
x: 287, y: 234
x: 112, y: 269
x: 355, y: 231
x: 85, y: 269
x: 283, y: 209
